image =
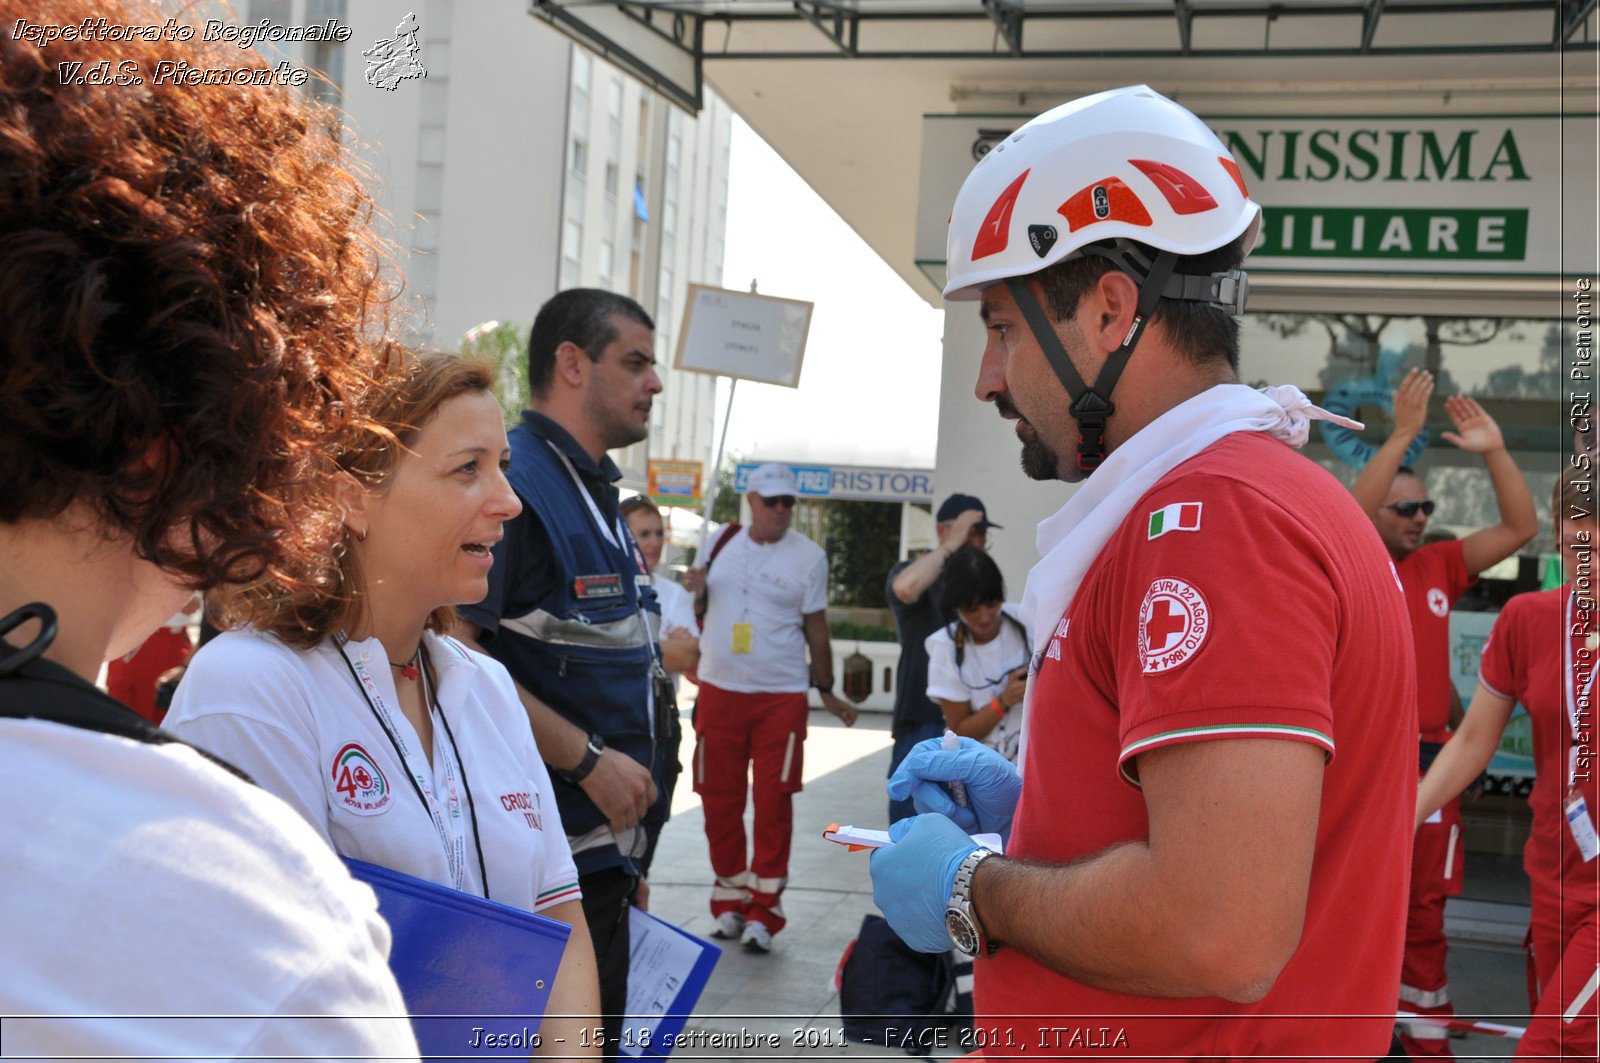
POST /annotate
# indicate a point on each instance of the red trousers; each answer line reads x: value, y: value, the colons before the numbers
x: 733, y: 732
x: 1436, y: 856
x: 1564, y: 980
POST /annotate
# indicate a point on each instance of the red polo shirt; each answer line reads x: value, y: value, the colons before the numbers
x: 1525, y: 662
x: 1434, y: 576
x: 1269, y: 611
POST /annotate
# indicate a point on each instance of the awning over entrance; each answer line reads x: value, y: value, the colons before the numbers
x: 844, y: 90
x: 669, y: 42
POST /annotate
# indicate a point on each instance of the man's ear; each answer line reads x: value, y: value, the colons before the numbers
x: 1108, y: 309
x: 572, y: 364
x: 350, y: 499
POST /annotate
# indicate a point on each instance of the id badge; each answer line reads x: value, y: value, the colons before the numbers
x: 742, y: 637
x: 1582, y: 825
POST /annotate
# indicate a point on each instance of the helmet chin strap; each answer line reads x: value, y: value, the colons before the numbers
x: 1091, y: 406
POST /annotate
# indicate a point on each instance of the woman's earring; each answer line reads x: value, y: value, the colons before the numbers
x: 361, y: 536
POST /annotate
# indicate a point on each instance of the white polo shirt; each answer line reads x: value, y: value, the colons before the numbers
x: 982, y: 675
x: 298, y: 722
x: 155, y: 906
x: 771, y: 587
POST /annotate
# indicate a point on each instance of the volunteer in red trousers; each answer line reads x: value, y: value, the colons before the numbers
x: 1527, y: 661
x: 1434, y: 577
x: 765, y: 591
x: 1207, y: 844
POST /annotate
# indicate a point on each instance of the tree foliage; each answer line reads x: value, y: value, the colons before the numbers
x: 505, y: 346
x: 863, y: 542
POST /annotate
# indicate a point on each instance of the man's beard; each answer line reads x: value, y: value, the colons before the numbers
x: 615, y: 427
x: 1038, y: 463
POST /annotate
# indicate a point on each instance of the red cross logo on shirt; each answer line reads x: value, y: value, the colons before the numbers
x: 1164, y: 623
x: 1173, y: 623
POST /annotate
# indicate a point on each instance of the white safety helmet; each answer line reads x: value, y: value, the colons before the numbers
x: 1127, y: 163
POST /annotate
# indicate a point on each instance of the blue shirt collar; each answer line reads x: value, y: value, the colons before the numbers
x: 605, y: 471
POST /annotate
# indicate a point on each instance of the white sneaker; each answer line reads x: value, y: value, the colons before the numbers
x: 729, y: 925
x: 757, y: 938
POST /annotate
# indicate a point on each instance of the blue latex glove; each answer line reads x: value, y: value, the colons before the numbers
x: 993, y: 785
x: 912, y: 879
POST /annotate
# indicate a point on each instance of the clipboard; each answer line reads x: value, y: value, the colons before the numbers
x: 667, y: 970
x: 470, y: 969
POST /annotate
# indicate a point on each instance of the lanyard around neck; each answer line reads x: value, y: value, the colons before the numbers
x: 1574, y: 697
x: 448, y: 822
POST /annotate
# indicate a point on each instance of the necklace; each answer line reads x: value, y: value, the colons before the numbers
x: 409, y: 668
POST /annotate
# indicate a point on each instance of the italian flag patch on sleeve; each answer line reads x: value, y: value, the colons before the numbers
x: 1180, y: 516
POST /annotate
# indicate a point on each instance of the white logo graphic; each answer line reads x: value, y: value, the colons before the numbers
x: 1438, y: 604
x: 392, y: 61
x: 1173, y: 623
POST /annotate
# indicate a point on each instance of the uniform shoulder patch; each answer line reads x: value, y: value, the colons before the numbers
x: 1178, y: 517
x: 1174, y: 621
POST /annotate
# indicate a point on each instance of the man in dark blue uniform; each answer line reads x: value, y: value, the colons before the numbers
x: 570, y: 611
x: 912, y: 591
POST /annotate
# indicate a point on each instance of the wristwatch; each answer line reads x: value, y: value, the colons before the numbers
x: 823, y: 689
x: 959, y: 919
x: 591, y: 756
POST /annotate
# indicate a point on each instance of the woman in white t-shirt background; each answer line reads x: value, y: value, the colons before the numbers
x: 343, y: 696
x: 680, y: 651
x: 978, y: 663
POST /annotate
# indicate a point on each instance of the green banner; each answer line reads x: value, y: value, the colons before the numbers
x: 1394, y: 232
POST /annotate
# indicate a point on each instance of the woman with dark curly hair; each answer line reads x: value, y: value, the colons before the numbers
x: 188, y: 294
x: 402, y: 747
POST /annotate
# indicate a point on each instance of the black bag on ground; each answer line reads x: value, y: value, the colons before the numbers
x: 893, y: 996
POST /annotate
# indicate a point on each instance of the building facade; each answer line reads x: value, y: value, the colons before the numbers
x: 517, y: 163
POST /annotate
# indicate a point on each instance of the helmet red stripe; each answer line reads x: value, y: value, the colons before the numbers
x: 1184, y: 193
x: 995, y: 232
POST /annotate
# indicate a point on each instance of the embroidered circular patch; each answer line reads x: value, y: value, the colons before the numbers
x: 1173, y: 623
x: 359, y: 783
x: 1438, y: 604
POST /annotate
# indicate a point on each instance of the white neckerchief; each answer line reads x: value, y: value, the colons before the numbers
x: 1070, y: 539
x: 1573, y: 697
x: 448, y: 821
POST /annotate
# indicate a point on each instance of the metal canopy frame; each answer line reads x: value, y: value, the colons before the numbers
x: 682, y: 27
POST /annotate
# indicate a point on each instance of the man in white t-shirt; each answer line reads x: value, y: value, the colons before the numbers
x: 766, y: 595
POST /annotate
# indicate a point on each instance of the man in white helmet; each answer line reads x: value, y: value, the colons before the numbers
x: 1209, y: 854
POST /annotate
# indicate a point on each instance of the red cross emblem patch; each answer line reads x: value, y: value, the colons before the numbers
x: 1173, y: 623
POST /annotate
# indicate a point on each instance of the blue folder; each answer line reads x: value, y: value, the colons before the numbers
x: 661, y: 1003
x: 472, y: 971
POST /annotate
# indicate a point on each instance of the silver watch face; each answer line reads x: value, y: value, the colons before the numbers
x: 963, y: 934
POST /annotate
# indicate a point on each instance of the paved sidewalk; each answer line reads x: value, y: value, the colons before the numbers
x: 789, y: 993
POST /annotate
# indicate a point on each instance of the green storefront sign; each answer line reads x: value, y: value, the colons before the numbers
x: 1390, y: 233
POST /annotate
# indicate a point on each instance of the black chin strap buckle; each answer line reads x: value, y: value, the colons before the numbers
x: 1091, y: 410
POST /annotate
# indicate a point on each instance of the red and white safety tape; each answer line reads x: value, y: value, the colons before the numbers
x: 1493, y: 1029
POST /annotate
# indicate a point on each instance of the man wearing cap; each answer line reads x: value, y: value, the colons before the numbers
x: 1206, y: 847
x: 912, y: 591
x: 765, y: 594
x: 1434, y: 577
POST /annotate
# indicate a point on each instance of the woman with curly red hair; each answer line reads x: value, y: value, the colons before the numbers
x: 189, y: 291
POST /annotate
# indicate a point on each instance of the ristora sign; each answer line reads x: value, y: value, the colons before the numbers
x: 857, y: 483
x: 1460, y: 195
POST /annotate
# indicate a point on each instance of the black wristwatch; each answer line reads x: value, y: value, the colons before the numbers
x: 591, y: 756
x: 823, y: 689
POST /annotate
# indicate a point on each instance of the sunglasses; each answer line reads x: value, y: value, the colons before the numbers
x: 1409, y: 508
x: 786, y: 501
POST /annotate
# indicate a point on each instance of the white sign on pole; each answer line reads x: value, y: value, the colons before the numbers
x: 743, y: 335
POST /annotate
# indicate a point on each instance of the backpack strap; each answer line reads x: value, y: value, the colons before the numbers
x: 32, y: 688
x: 723, y: 540
x: 729, y: 531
